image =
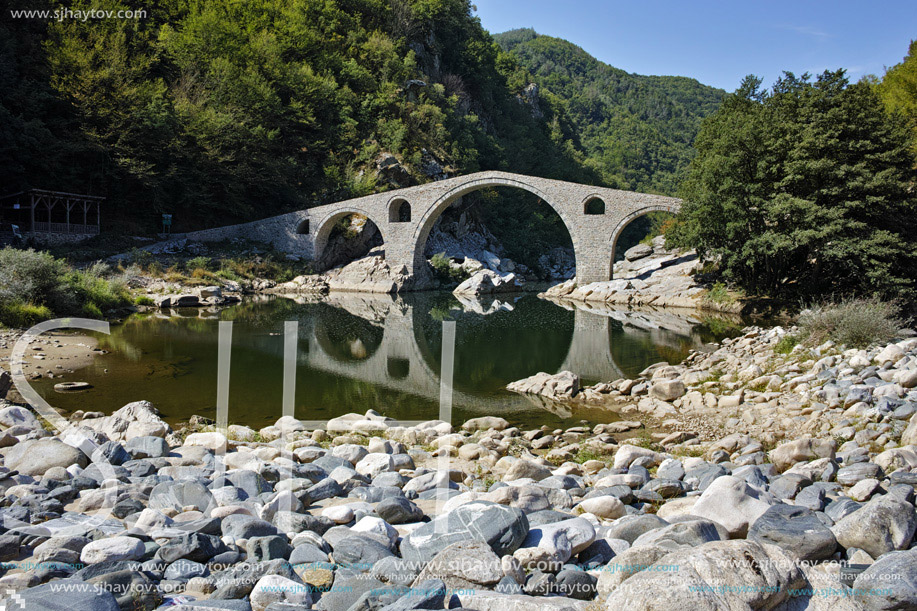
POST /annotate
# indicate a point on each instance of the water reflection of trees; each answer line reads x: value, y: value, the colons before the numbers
x: 493, y: 350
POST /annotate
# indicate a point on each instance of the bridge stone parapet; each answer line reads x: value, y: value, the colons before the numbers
x: 594, y: 217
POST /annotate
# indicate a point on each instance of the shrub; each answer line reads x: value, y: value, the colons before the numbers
x: 198, y: 263
x: 140, y: 257
x: 855, y: 323
x: 27, y: 276
x: 442, y: 266
x: 23, y: 314
x: 786, y: 344
x: 35, y: 285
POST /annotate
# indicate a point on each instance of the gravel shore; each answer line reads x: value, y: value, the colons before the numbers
x: 786, y: 481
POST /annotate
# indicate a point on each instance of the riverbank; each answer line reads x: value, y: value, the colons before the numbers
x: 799, y: 459
x: 650, y: 275
x: 54, y: 355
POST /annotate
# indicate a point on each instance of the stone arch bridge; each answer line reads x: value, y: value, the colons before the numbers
x: 594, y: 217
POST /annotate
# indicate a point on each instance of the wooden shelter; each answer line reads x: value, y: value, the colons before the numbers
x: 38, y: 211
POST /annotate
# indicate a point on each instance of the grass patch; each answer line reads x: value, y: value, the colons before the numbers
x: 786, y: 344
x: 23, y: 314
x: 719, y: 294
x: 856, y: 323
x: 586, y: 454
x: 689, y: 451
x: 644, y: 440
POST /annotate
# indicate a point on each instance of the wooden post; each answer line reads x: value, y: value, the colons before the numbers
x: 68, y: 204
x: 32, y: 212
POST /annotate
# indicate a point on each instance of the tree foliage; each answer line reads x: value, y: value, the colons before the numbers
x: 804, y: 190
x: 219, y: 110
x: 898, y: 90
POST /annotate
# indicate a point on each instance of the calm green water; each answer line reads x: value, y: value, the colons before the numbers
x: 357, y: 352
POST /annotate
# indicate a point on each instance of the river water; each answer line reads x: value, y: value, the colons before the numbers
x: 359, y: 352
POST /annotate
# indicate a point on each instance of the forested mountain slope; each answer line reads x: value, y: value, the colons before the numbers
x: 220, y: 111
x: 637, y: 131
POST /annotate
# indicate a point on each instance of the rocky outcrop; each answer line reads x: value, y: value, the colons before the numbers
x: 136, y: 419
x: 369, y: 274
x: 486, y: 282
x: 561, y: 386
x: 648, y: 276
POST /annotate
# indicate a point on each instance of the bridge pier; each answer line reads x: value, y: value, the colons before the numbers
x: 593, y: 263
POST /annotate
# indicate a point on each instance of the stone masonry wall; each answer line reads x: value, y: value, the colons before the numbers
x: 594, y: 235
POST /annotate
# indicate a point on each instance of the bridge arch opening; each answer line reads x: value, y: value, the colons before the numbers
x: 346, y: 236
x: 397, y: 368
x: 528, y: 233
x: 303, y: 227
x: 346, y: 338
x: 594, y: 205
x: 399, y: 211
x: 638, y: 227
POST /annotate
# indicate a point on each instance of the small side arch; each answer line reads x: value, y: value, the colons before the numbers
x: 593, y: 205
x: 399, y: 211
x: 303, y: 227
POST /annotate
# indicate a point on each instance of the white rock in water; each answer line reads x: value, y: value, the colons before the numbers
x: 487, y: 281
x: 563, y: 385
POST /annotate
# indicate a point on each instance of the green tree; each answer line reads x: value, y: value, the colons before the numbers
x: 898, y: 89
x: 804, y: 190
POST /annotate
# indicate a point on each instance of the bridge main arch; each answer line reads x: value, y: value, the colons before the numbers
x: 435, y: 210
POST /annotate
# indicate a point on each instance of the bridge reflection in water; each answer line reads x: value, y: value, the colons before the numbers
x: 399, y: 347
x: 361, y: 351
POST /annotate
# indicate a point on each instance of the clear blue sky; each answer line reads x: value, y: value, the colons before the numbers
x: 718, y: 43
